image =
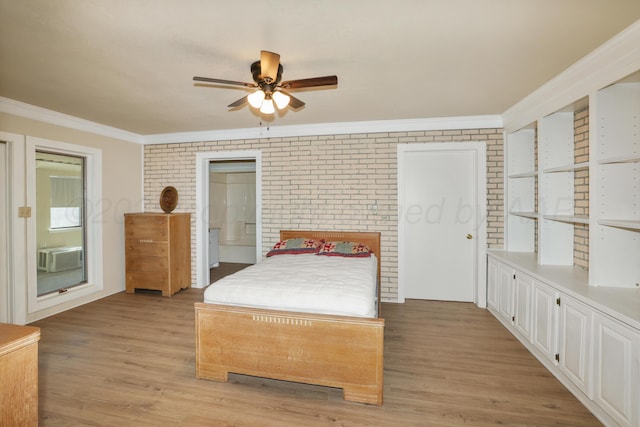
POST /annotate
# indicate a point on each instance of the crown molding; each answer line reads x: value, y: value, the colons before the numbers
x: 378, y: 126
x: 29, y: 111
x: 612, y: 61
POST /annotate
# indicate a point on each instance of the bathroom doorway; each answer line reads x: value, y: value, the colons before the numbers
x: 243, y: 224
x: 232, y: 212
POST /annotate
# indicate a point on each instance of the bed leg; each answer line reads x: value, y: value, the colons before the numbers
x: 362, y: 394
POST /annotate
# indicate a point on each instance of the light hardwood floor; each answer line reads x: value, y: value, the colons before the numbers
x: 128, y: 360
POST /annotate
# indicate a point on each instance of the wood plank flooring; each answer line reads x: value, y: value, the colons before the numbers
x: 128, y: 360
x: 224, y: 269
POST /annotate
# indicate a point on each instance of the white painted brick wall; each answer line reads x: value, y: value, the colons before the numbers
x: 325, y: 182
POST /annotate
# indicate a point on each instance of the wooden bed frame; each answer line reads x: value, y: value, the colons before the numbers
x: 334, y: 351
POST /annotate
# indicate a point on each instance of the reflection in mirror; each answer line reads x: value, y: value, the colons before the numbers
x: 60, y: 222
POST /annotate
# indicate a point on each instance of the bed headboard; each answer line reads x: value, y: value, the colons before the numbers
x: 369, y: 238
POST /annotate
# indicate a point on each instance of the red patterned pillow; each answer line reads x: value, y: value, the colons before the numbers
x: 348, y: 249
x: 295, y: 246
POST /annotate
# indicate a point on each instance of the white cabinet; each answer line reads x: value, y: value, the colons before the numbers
x: 616, y: 383
x: 574, y: 350
x: 509, y: 296
x: 505, y: 292
x: 492, y: 285
x: 544, y: 312
x: 522, y: 304
x: 595, y: 355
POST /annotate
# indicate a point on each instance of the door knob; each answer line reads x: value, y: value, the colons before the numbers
x: 469, y: 236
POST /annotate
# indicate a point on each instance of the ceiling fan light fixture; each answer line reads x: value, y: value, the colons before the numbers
x: 268, y: 86
x: 281, y: 99
x: 267, y: 106
x: 256, y: 98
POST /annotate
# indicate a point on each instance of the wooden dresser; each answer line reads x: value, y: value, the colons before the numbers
x: 18, y: 375
x: 158, y: 251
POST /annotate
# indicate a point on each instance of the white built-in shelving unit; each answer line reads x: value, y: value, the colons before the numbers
x: 582, y: 323
x: 522, y: 176
x: 616, y: 186
x: 540, y: 188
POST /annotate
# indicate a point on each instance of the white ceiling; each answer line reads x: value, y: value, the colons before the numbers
x: 129, y: 63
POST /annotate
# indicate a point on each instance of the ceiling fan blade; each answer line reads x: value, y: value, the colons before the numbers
x: 269, y: 63
x: 225, y: 82
x: 238, y: 103
x: 294, y: 102
x: 313, y: 82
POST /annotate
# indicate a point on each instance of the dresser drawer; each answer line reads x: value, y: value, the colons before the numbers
x: 147, y: 263
x: 142, y: 247
x: 154, y: 280
x: 147, y: 227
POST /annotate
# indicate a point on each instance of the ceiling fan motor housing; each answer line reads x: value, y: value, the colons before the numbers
x: 262, y: 81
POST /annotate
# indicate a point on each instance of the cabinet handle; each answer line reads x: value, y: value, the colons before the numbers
x: 469, y: 236
x: 146, y: 241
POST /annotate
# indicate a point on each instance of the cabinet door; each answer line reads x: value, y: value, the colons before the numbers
x: 505, y: 292
x: 544, y: 317
x: 616, y: 374
x: 522, y: 310
x: 575, y: 342
x: 492, y: 284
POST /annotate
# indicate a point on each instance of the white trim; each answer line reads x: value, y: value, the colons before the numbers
x: 202, y: 207
x: 612, y: 61
x: 33, y: 112
x: 16, y: 230
x: 445, y: 123
x: 94, y: 253
x: 480, y: 265
x: 6, y: 294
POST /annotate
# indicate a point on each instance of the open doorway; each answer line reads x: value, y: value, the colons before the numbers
x: 245, y: 229
x: 232, y: 216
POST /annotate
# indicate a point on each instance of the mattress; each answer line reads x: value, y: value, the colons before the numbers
x: 308, y: 283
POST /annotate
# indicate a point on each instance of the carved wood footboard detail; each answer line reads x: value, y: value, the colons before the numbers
x: 334, y: 351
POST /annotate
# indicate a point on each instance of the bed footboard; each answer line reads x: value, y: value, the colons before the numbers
x: 334, y: 351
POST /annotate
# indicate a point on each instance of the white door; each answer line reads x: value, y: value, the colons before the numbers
x: 4, y: 253
x: 439, y: 223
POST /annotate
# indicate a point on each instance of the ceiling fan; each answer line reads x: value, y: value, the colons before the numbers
x: 267, y: 75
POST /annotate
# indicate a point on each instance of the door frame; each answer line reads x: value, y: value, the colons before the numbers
x: 16, y: 229
x: 94, y: 206
x: 479, y: 149
x: 202, y: 206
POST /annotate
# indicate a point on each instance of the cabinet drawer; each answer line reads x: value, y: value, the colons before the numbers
x: 147, y: 264
x: 146, y: 227
x: 155, y: 280
x: 146, y: 248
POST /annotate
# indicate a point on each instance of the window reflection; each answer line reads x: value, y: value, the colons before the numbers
x: 60, y: 228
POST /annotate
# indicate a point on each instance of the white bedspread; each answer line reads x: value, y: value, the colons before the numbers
x: 306, y: 283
